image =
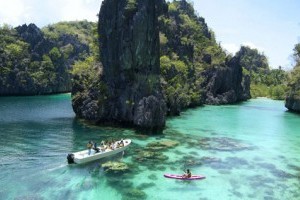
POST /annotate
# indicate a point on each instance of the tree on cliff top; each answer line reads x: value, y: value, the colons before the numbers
x: 294, y: 82
x: 252, y: 60
x: 265, y: 82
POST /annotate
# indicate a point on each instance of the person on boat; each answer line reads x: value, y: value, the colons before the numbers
x: 89, y: 146
x: 121, y: 143
x: 187, y: 174
x: 108, y: 146
x: 96, y: 148
x: 112, y: 146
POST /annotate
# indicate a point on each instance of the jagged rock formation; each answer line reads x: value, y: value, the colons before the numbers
x: 33, y: 64
x: 194, y: 66
x: 292, y: 100
x: 129, y: 91
x: 292, y: 103
x: 226, y: 84
x: 252, y: 60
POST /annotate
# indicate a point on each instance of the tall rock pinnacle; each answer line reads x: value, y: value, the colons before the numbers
x: 130, y: 92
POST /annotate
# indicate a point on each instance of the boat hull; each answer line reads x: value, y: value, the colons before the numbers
x: 193, y: 177
x: 83, y: 157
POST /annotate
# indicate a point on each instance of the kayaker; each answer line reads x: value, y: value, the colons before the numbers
x: 89, y: 146
x: 187, y: 174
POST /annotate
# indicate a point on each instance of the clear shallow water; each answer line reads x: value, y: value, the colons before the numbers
x: 246, y: 151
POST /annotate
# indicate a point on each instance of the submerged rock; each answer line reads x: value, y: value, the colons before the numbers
x: 115, y: 167
x: 208, y: 160
x: 223, y: 144
x: 161, y: 145
x: 190, y: 161
x: 152, y: 177
x: 143, y: 156
x: 135, y: 194
x: 145, y: 185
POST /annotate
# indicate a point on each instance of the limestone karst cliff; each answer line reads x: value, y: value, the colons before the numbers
x: 128, y: 91
x: 32, y: 63
x: 292, y: 101
x: 226, y: 84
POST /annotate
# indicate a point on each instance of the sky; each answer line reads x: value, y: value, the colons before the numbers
x: 271, y: 26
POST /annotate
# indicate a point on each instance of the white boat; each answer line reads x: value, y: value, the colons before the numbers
x: 84, y: 157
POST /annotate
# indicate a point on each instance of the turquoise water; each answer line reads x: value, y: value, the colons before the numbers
x: 246, y: 151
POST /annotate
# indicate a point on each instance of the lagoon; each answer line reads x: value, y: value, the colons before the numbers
x: 246, y: 151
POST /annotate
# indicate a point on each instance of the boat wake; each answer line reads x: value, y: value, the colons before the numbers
x: 58, y: 167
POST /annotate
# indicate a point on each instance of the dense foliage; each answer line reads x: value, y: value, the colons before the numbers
x: 84, y: 31
x: 37, y: 62
x: 34, y: 61
x: 294, y: 81
x: 265, y: 82
x: 188, y: 47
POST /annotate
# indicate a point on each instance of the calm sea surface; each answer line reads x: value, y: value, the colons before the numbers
x: 246, y: 151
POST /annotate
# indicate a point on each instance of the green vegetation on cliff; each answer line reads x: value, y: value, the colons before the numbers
x: 294, y: 81
x: 84, y: 31
x: 35, y: 61
x: 188, y: 47
x: 265, y: 82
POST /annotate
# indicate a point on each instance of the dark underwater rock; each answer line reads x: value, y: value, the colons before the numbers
x: 145, y: 186
x: 115, y: 167
x: 161, y: 145
x: 144, y: 156
x: 223, y: 144
x: 134, y: 194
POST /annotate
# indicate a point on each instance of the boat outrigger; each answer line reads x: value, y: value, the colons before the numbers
x: 84, y: 157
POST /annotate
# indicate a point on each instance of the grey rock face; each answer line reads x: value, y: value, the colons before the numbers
x: 129, y: 42
x: 226, y: 84
x: 292, y: 103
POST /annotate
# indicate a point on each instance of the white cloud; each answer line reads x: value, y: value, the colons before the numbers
x: 231, y: 47
x: 13, y: 11
x: 80, y: 9
x: 17, y: 12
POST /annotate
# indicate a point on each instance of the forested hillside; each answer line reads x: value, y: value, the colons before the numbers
x: 265, y: 82
x: 194, y: 67
x: 35, y: 61
x: 293, y: 95
x: 191, y: 60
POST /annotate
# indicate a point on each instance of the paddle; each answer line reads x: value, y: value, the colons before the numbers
x: 184, y: 169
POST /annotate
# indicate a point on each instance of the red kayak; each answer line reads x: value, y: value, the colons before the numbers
x: 193, y: 177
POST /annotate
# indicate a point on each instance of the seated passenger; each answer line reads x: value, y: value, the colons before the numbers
x: 187, y: 174
x: 96, y: 148
x: 122, y: 143
x: 113, y: 146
